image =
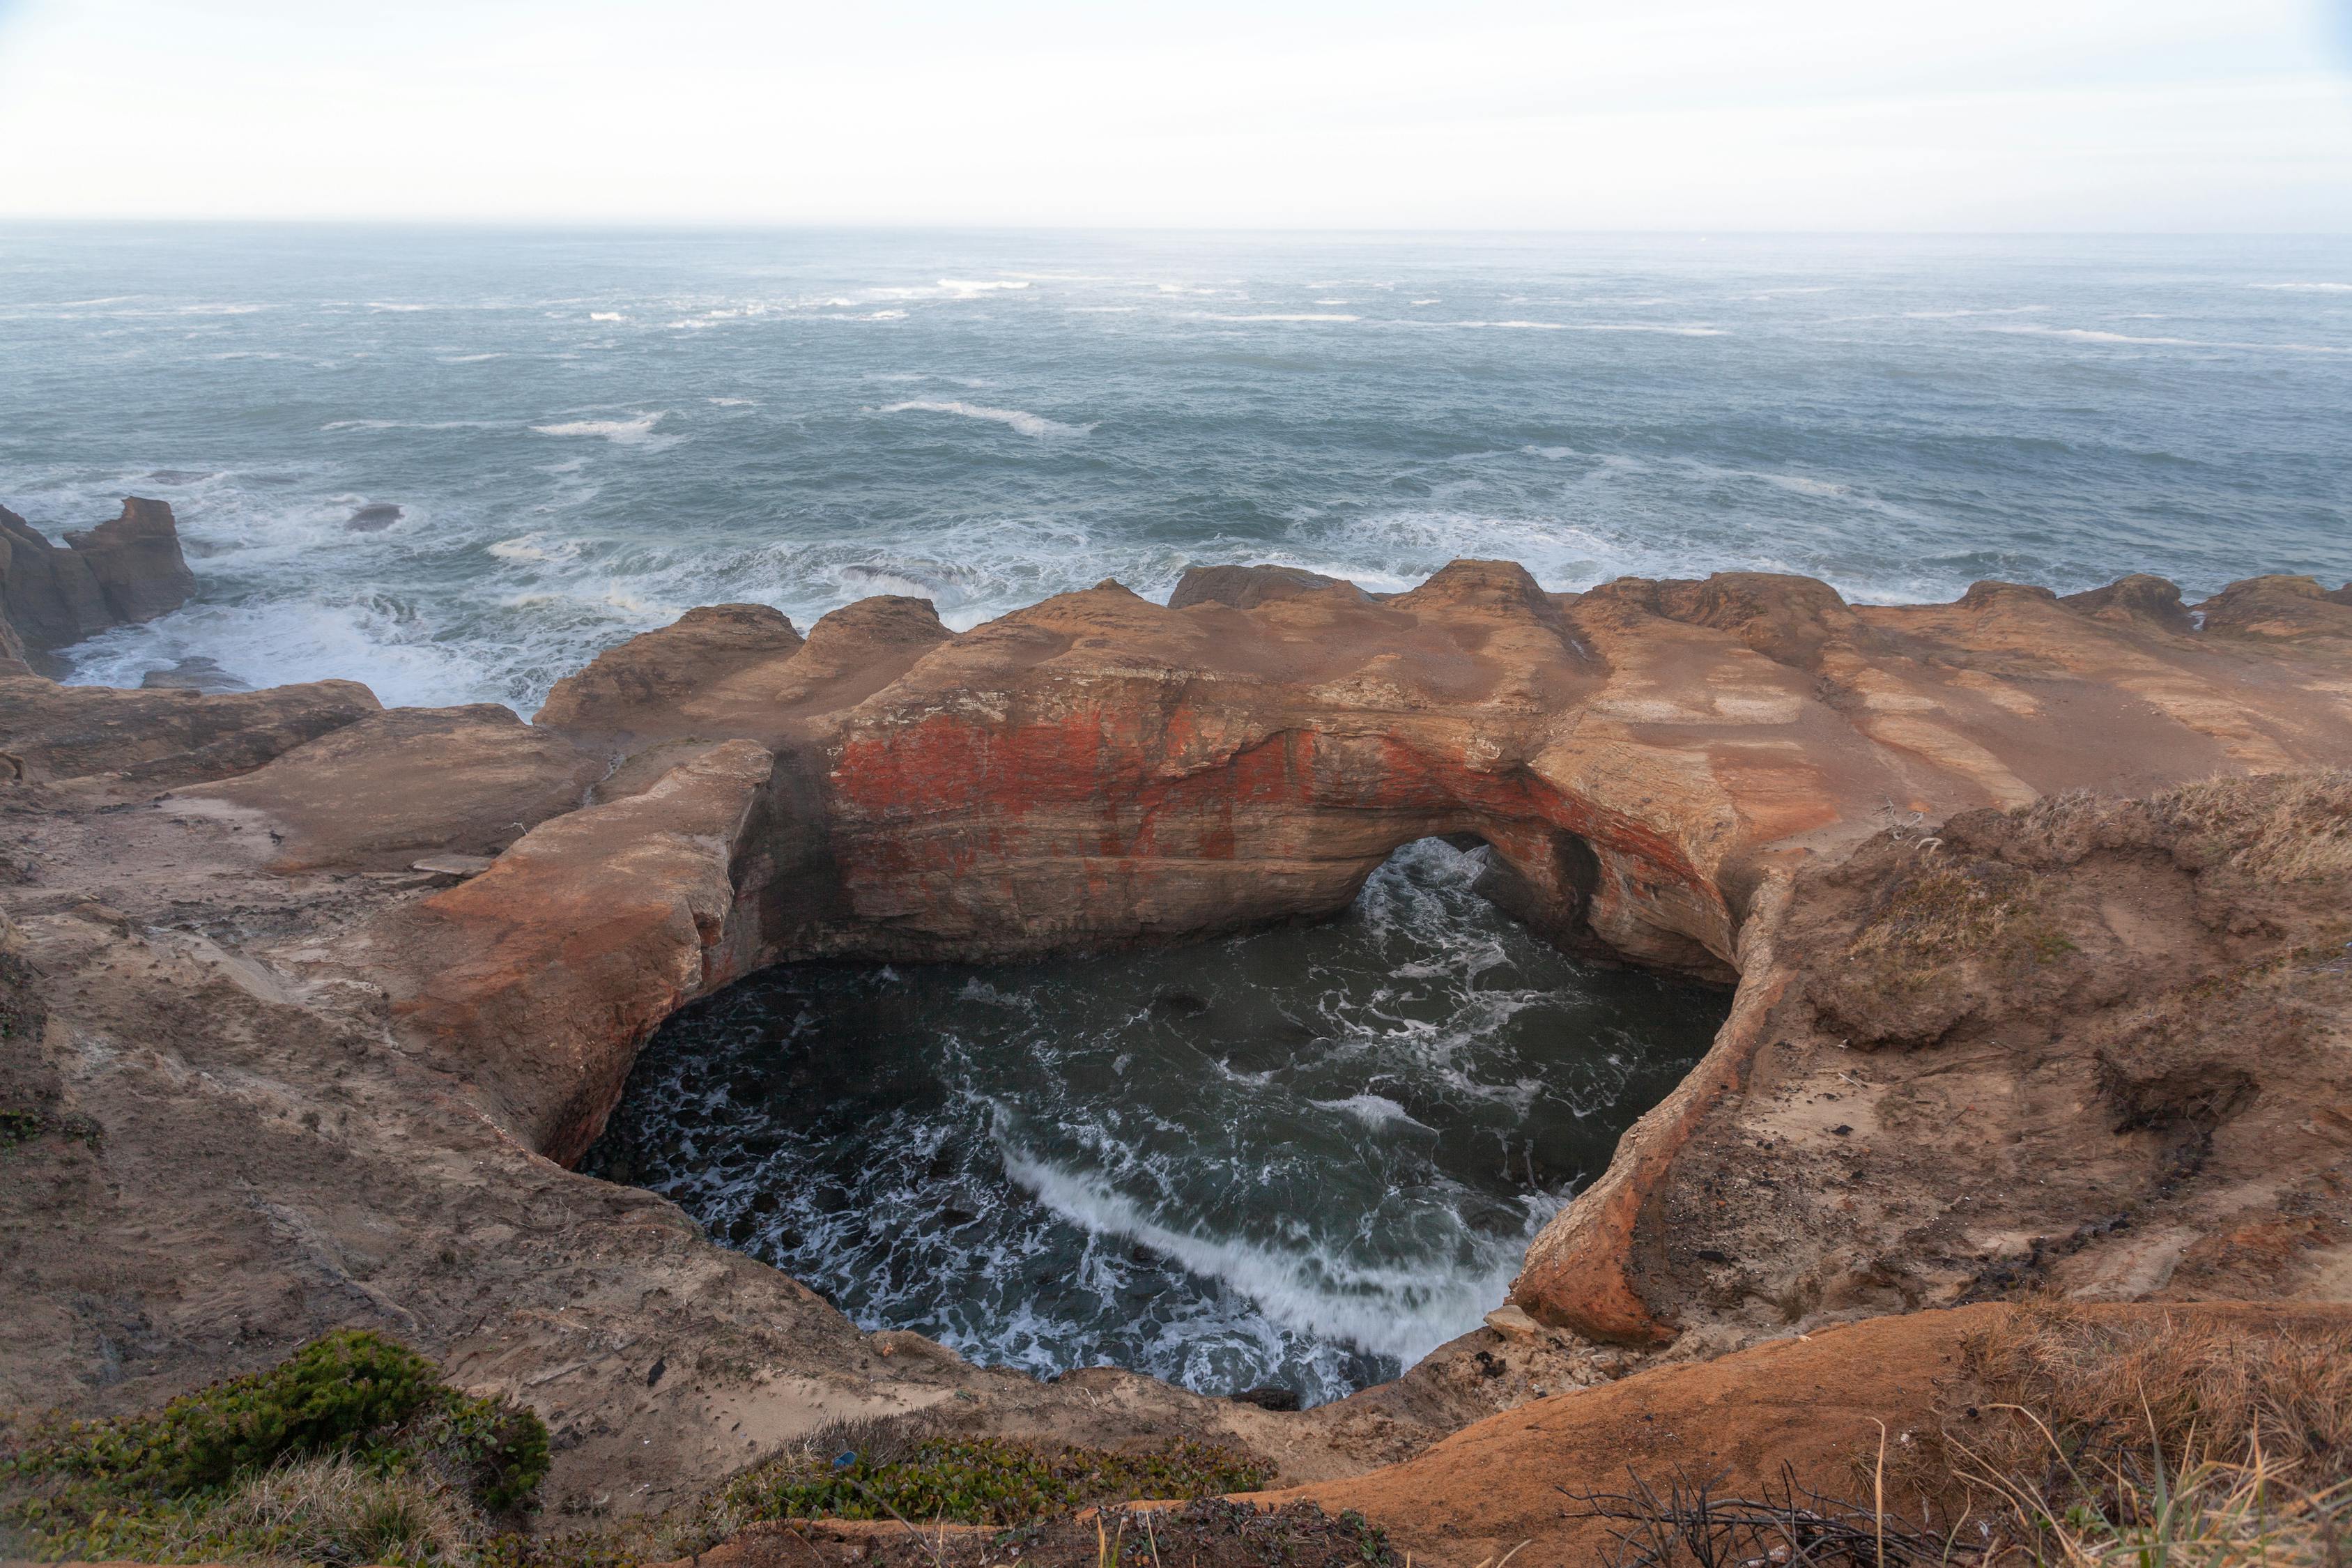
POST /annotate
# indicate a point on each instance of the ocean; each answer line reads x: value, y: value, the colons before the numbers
x: 456, y: 464
x: 587, y: 433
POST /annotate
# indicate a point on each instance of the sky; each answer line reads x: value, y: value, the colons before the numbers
x: 2150, y: 115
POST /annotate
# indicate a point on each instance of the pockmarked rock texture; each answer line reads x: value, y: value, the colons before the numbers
x: 125, y: 570
x: 2040, y: 891
x: 2096, y: 1047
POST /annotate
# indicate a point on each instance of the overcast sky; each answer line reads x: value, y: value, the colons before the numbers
x: 1845, y: 114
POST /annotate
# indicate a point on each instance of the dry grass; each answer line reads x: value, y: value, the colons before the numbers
x: 2198, y: 1438
x: 1944, y: 912
x: 2286, y: 827
x: 2194, y: 1437
x: 337, y: 1512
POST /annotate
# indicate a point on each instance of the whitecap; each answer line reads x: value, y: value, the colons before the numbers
x: 382, y: 305
x: 1027, y: 424
x: 606, y: 316
x: 2306, y: 288
x: 632, y: 432
x: 1276, y: 316
x: 469, y: 359
x: 2093, y: 335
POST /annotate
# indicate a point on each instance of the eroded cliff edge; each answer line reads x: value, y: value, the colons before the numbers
x: 2086, y: 1043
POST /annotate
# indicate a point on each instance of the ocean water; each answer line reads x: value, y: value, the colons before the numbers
x: 586, y: 433
x: 1303, y: 1157
x: 1307, y: 1156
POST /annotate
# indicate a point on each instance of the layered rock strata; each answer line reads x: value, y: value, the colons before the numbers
x: 2087, y: 1045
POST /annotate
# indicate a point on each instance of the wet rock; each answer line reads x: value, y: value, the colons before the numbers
x: 373, y: 518
x: 195, y: 674
x: 1268, y: 1396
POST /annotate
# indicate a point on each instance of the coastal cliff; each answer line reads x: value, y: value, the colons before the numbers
x: 2032, y: 905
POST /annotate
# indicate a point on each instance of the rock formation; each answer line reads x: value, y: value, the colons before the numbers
x: 2076, y: 1005
x: 126, y: 570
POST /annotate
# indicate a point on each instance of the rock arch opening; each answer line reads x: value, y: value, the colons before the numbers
x: 1302, y: 1155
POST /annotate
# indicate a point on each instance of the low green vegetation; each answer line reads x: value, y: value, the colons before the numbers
x: 982, y: 1481
x: 353, y: 1450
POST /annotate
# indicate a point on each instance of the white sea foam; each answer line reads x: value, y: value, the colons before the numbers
x: 1671, y: 330
x: 1027, y: 424
x: 732, y: 402
x: 637, y: 431
x: 606, y: 316
x: 1405, y: 1310
x: 383, y: 305
x: 469, y: 359
x: 1374, y: 1111
x: 1101, y: 310
x: 2306, y: 287
x: 1278, y: 316
x: 2095, y: 335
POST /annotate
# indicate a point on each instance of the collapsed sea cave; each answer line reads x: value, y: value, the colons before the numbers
x: 1301, y: 1157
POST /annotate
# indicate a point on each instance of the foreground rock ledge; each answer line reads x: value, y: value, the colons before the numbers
x: 1991, y: 1035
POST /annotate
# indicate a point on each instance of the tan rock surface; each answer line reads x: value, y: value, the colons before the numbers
x: 341, y: 1088
x: 374, y: 795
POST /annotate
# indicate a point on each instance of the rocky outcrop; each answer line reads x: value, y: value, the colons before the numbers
x: 2075, y: 1044
x: 1247, y: 588
x: 164, y: 737
x: 2095, y: 1046
x: 126, y: 570
x: 641, y: 682
x: 537, y: 981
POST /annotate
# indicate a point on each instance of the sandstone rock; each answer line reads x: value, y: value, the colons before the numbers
x: 2281, y: 606
x: 371, y: 795
x: 747, y: 677
x: 1811, y: 1409
x: 640, y: 683
x: 2077, y: 1048
x: 536, y: 981
x: 1247, y: 588
x: 2134, y: 1014
x: 166, y: 738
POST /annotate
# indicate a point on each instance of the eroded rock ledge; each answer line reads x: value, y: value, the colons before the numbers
x: 2073, y: 1042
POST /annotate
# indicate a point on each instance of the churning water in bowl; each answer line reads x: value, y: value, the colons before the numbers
x: 1303, y: 1157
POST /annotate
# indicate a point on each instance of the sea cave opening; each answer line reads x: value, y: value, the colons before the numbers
x: 1302, y: 1157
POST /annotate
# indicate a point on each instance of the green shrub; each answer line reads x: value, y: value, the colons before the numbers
x: 987, y: 1480
x: 150, y: 1486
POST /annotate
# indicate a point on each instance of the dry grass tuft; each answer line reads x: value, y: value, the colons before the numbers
x: 2204, y: 1383
x: 337, y: 1512
x: 2288, y: 828
x: 2199, y: 1439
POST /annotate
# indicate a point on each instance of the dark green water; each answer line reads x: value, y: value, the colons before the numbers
x: 1306, y: 1156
